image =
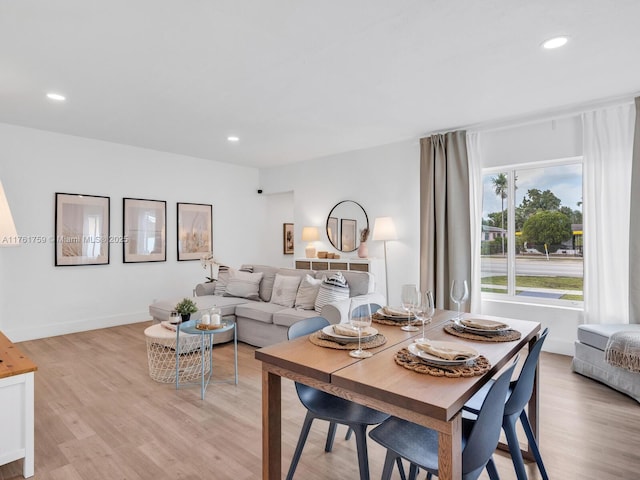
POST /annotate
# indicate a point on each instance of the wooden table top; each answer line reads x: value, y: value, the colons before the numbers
x: 12, y: 360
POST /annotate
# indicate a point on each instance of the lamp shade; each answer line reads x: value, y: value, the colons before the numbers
x: 8, y: 235
x: 384, y: 229
x: 310, y: 234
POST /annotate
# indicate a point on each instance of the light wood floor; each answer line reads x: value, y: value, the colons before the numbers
x: 100, y: 416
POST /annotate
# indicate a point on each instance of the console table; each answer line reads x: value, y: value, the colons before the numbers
x: 17, y: 400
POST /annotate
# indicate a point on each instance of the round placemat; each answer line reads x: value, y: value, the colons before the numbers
x: 507, y: 336
x: 377, y: 318
x: 480, y: 366
x: 322, y: 340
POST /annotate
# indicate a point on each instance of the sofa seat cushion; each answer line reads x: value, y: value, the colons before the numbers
x: 289, y: 316
x: 261, y: 312
x: 597, y: 336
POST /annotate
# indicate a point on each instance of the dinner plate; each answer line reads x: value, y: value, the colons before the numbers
x: 414, y: 350
x: 328, y: 331
x: 399, y: 316
x: 481, y: 331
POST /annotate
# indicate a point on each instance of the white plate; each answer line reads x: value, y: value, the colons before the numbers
x: 393, y: 317
x: 328, y: 330
x: 414, y: 350
x: 481, y: 331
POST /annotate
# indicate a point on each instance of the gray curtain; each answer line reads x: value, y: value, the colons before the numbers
x: 634, y: 227
x: 445, y: 235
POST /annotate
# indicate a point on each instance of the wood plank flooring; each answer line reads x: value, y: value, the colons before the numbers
x: 100, y: 416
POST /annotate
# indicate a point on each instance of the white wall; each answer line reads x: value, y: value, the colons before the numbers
x: 279, y: 211
x: 384, y: 180
x: 38, y: 299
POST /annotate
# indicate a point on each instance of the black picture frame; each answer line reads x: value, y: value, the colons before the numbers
x: 144, y: 227
x: 195, y: 230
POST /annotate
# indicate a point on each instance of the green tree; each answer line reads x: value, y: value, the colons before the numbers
x: 500, y: 189
x: 548, y: 227
x: 535, y: 201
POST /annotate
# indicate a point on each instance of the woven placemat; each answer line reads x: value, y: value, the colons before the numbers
x: 377, y: 318
x: 322, y: 340
x: 506, y: 336
x: 479, y: 367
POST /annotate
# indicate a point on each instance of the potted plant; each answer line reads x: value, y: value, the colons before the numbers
x: 185, y: 308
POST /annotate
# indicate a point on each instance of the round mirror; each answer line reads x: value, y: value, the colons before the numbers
x: 344, y: 224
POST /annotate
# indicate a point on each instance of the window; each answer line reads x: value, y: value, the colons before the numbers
x: 531, y: 247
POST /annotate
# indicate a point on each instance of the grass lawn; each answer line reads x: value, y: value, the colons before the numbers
x: 525, y: 281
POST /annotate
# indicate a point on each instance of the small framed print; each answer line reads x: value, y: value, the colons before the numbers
x: 195, y: 231
x: 144, y: 228
x: 348, y: 229
x: 81, y: 230
x: 287, y: 238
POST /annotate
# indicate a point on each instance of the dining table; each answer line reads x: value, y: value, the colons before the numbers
x: 380, y: 382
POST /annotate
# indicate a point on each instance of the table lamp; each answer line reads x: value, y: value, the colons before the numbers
x: 310, y: 234
x: 384, y: 229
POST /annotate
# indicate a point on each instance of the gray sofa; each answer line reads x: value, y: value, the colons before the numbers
x: 261, y: 322
x: 589, y: 358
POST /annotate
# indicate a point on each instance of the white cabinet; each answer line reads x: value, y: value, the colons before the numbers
x: 374, y: 266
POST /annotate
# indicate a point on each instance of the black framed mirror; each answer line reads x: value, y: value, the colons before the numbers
x: 344, y: 223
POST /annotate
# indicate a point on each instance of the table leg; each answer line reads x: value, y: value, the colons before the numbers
x: 235, y: 349
x: 450, y: 450
x: 271, y: 426
x: 28, y: 465
x: 532, y: 411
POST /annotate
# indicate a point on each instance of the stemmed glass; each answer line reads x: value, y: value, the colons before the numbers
x: 360, y: 318
x: 409, y: 298
x: 425, y: 310
x: 459, y: 294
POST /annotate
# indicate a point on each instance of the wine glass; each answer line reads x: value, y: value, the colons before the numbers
x: 459, y: 294
x: 409, y: 298
x: 425, y: 310
x: 360, y: 318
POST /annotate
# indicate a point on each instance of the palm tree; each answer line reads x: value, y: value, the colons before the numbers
x: 500, y: 187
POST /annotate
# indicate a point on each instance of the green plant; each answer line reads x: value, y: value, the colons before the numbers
x: 186, y: 306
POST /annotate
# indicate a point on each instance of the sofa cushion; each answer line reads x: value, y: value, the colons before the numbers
x: 222, y: 280
x: 289, y: 316
x: 307, y: 293
x: 244, y: 285
x: 597, y: 335
x: 261, y: 312
x: 162, y: 309
x: 268, y: 277
x: 284, y: 290
x: 332, y: 289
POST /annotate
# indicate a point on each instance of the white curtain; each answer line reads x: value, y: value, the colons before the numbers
x: 475, y: 209
x: 607, y: 150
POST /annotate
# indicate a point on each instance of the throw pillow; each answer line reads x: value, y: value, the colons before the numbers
x: 223, y: 279
x: 284, y: 290
x: 307, y: 292
x: 244, y: 285
x: 332, y: 289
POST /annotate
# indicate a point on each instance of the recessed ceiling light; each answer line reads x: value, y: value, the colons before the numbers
x: 56, y: 96
x: 233, y: 139
x: 555, y: 42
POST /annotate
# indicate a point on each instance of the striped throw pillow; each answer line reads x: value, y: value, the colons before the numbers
x: 332, y: 289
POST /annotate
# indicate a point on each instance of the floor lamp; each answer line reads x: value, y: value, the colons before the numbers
x: 385, y: 230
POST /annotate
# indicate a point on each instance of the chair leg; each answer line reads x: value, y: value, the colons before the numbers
x: 533, y: 444
x: 492, y: 470
x: 413, y: 472
x: 349, y: 432
x: 400, y: 468
x: 304, y: 433
x: 331, y: 435
x: 509, y: 427
x: 389, y: 460
x: 361, y: 445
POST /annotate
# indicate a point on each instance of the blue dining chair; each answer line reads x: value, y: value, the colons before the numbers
x: 324, y: 406
x: 419, y: 445
x: 519, y: 394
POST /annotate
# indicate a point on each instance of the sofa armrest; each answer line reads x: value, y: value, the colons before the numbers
x: 338, y: 312
x: 204, y: 289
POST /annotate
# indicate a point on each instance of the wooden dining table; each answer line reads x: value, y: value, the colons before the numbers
x: 379, y: 382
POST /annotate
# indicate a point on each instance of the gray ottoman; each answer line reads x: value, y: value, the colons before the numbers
x: 589, y: 358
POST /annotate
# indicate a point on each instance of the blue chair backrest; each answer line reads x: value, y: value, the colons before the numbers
x: 373, y: 306
x: 485, y: 434
x: 521, y: 393
x: 306, y: 326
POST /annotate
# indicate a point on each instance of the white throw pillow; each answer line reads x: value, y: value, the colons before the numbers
x: 243, y: 285
x: 223, y: 279
x: 285, y: 288
x: 332, y: 289
x: 307, y: 292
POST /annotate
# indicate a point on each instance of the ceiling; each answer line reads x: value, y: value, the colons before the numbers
x: 299, y: 79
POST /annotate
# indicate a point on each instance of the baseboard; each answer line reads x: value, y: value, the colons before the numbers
x: 62, y: 328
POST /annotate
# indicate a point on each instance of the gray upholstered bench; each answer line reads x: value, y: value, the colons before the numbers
x: 589, y: 358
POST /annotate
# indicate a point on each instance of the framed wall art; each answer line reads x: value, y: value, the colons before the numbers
x: 332, y: 231
x: 348, y: 229
x: 144, y: 228
x: 81, y: 230
x: 287, y: 238
x: 195, y: 230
